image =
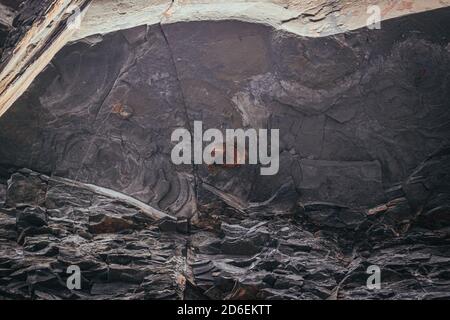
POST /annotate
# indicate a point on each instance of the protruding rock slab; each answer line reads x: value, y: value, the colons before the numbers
x: 43, y: 28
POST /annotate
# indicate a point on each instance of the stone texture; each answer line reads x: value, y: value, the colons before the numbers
x: 7, y: 15
x: 2, y: 192
x: 121, y: 257
x: 363, y: 178
x: 25, y: 190
x: 315, y: 250
x: 374, y: 102
x: 39, y: 30
x: 343, y: 182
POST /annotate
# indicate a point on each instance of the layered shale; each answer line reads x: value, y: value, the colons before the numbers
x: 364, y: 146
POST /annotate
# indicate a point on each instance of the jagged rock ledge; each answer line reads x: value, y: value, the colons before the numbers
x: 306, y: 251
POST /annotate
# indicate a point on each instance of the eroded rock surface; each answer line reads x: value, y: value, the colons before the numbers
x: 357, y: 111
x: 7, y: 15
x: 307, y: 251
x: 122, y: 254
x: 364, y: 165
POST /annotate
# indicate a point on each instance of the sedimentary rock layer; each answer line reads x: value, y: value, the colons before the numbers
x: 364, y: 156
x: 357, y: 111
x: 42, y: 28
x: 269, y: 251
x: 31, y: 40
x: 7, y: 15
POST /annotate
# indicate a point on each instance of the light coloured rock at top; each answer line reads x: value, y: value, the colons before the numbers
x: 312, y: 18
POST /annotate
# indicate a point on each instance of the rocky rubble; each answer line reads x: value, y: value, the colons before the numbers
x: 322, y: 250
x: 121, y: 253
x: 309, y: 251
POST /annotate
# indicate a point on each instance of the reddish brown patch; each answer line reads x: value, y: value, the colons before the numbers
x: 223, y: 149
x: 117, y: 108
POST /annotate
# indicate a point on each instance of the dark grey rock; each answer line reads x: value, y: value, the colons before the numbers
x: 24, y: 189
x: 241, y: 241
x: 348, y: 183
x: 339, y: 130
x: 31, y: 217
x: 360, y: 183
x: 7, y: 227
x: 168, y: 225
x: 183, y: 225
x: 2, y: 193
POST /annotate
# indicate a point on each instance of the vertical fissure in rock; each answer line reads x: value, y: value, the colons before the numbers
x: 184, y: 102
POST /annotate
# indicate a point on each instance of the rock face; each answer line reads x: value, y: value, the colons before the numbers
x: 39, y: 30
x: 313, y: 251
x: 7, y: 14
x: 357, y: 111
x: 121, y: 253
x: 364, y: 164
